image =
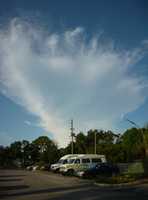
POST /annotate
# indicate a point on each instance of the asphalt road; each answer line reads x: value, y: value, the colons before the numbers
x: 28, y: 185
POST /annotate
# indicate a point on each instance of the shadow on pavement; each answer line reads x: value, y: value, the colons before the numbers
x: 9, y: 180
x: 42, y: 191
x: 13, y: 187
x: 84, y: 192
x: 96, y: 193
x: 11, y: 176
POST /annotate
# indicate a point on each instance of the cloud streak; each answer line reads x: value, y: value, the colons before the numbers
x: 56, y: 76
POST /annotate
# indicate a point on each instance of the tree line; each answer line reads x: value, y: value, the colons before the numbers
x: 131, y: 145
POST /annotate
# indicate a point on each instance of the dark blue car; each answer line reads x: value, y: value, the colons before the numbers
x: 102, y: 169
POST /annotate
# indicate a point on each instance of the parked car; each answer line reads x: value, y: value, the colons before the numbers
x: 103, y: 169
x: 30, y: 167
x: 35, y: 167
x: 45, y: 167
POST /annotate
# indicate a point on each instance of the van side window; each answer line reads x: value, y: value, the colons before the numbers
x: 71, y: 161
x: 65, y: 162
x: 77, y: 161
x: 96, y: 160
x: 85, y: 160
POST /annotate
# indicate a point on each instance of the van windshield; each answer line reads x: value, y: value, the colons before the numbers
x: 62, y: 161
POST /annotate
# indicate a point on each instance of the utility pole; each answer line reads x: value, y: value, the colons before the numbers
x: 95, y: 149
x: 72, y: 137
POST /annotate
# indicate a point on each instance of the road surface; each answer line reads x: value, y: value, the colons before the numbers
x: 28, y: 185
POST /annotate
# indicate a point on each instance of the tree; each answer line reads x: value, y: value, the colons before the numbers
x: 132, y: 142
x: 2, y: 156
x: 80, y: 145
x: 145, y: 139
x: 19, y: 152
x: 90, y: 141
x: 16, y: 150
x: 48, y: 151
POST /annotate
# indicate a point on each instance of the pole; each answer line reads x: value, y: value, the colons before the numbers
x: 72, y: 137
x: 95, y: 148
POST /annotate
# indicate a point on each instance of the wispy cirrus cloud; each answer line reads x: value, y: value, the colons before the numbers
x: 56, y: 76
x: 28, y: 123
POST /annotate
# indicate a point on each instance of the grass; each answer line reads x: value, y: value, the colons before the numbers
x: 136, y: 168
x: 119, y: 179
x: 135, y: 172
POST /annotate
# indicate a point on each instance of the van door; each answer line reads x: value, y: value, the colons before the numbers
x: 86, y: 164
x: 77, y: 164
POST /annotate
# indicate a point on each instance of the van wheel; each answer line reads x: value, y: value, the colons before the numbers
x: 70, y: 172
x: 57, y: 170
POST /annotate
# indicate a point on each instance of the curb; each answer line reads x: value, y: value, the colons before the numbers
x: 122, y: 184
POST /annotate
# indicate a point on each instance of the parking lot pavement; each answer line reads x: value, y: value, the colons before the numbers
x: 28, y: 185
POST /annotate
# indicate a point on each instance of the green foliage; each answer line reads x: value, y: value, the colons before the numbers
x: 16, y: 150
x: 117, y: 148
x: 145, y: 138
x: 80, y: 145
x: 48, y: 151
x: 132, y: 142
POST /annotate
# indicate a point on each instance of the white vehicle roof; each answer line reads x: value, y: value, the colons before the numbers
x: 68, y: 156
x: 73, y: 156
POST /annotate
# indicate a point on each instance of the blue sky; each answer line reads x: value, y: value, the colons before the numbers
x: 86, y: 60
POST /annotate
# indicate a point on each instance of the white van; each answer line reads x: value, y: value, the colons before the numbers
x: 62, y: 161
x: 81, y: 162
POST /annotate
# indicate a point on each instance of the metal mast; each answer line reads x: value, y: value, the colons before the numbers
x: 95, y: 145
x: 72, y: 137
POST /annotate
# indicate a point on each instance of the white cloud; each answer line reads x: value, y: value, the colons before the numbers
x: 28, y: 123
x: 57, y: 76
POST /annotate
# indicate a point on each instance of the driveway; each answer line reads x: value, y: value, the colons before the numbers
x: 28, y: 185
